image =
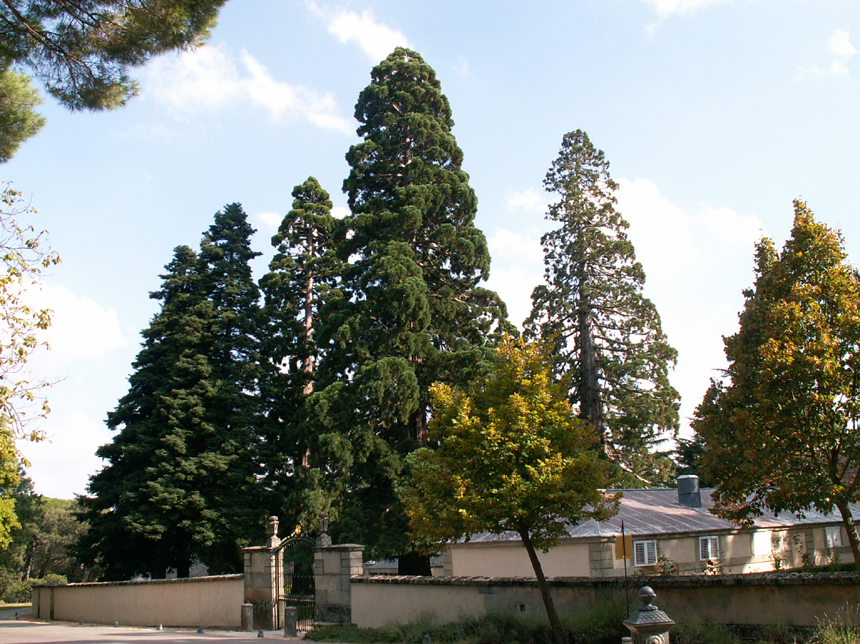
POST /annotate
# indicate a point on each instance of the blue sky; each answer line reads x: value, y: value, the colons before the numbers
x: 714, y: 115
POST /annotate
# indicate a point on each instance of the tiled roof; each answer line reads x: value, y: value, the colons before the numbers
x: 658, y: 512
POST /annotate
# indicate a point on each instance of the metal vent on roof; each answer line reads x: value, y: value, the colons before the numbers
x: 688, y: 491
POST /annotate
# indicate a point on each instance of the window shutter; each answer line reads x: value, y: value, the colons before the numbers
x: 639, y: 556
x: 652, y: 552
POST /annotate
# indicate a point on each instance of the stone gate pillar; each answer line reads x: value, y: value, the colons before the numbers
x: 333, y: 566
x: 264, y: 580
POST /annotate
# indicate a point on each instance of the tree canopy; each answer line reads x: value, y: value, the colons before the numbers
x: 606, y: 335
x: 779, y: 431
x: 512, y: 457
x: 82, y: 51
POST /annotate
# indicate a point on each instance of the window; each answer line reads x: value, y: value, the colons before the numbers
x: 762, y: 544
x: 833, y: 537
x: 709, y: 548
x: 645, y: 553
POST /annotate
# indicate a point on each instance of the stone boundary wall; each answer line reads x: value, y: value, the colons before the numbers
x: 794, y: 599
x: 201, y: 601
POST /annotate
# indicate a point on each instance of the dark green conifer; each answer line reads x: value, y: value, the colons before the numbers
x: 180, y: 482
x: 606, y: 335
x: 301, y: 275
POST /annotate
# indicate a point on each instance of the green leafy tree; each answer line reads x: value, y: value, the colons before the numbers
x: 180, y: 482
x: 512, y: 457
x: 301, y: 275
x: 29, y: 507
x: 780, y: 430
x: 605, y: 334
x: 82, y: 50
x: 410, y: 311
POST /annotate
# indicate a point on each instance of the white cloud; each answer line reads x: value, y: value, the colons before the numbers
x: 697, y: 266
x: 81, y: 327
x: 376, y: 39
x: 530, y: 200
x: 518, y: 271
x: 521, y: 246
x: 208, y: 79
x: 60, y: 466
x: 661, y: 233
x: 666, y: 8
x: 840, y: 48
x: 339, y: 212
x: 270, y: 220
x: 731, y: 226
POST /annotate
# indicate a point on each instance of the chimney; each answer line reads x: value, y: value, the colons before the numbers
x: 688, y: 491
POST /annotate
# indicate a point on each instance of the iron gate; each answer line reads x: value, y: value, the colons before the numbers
x: 299, y: 589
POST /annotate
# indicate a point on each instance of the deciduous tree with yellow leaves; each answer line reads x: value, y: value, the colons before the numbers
x: 512, y: 457
x: 24, y: 257
x: 780, y: 432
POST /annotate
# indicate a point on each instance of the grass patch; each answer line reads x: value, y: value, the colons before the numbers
x: 4, y: 606
x: 599, y: 624
x: 842, y: 628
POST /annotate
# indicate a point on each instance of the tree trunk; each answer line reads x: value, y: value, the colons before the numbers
x: 554, y: 622
x: 28, y: 560
x: 589, y: 397
x: 851, y: 529
x: 308, y: 366
x: 418, y: 426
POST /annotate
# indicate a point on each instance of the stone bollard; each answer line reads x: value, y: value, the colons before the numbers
x: 247, y: 619
x: 648, y: 625
x: 291, y: 618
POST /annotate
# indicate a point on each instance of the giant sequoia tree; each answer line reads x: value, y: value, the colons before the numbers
x: 301, y: 275
x: 411, y: 312
x: 606, y: 335
x: 180, y: 482
x: 780, y: 433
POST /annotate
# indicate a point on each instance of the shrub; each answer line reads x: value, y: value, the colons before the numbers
x: 18, y: 591
x: 842, y: 628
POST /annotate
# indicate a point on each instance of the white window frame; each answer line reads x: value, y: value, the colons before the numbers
x: 709, y: 548
x: 645, y: 552
x: 833, y: 537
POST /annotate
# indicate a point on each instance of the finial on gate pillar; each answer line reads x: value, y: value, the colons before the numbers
x: 273, y: 542
x: 323, y: 540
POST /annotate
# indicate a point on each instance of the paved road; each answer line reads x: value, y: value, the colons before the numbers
x: 9, y: 613
x: 25, y: 631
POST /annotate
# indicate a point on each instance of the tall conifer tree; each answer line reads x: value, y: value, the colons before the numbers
x: 301, y: 275
x: 180, y: 481
x: 606, y: 335
x: 411, y: 311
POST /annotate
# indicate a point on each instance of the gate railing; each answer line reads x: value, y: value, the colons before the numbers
x: 299, y: 589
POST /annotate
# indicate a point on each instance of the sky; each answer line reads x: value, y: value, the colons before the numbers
x: 714, y: 116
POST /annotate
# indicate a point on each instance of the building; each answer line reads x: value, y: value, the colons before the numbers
x: 663, y: 531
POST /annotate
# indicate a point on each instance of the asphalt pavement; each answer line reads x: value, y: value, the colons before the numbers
x: 27, y: 631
